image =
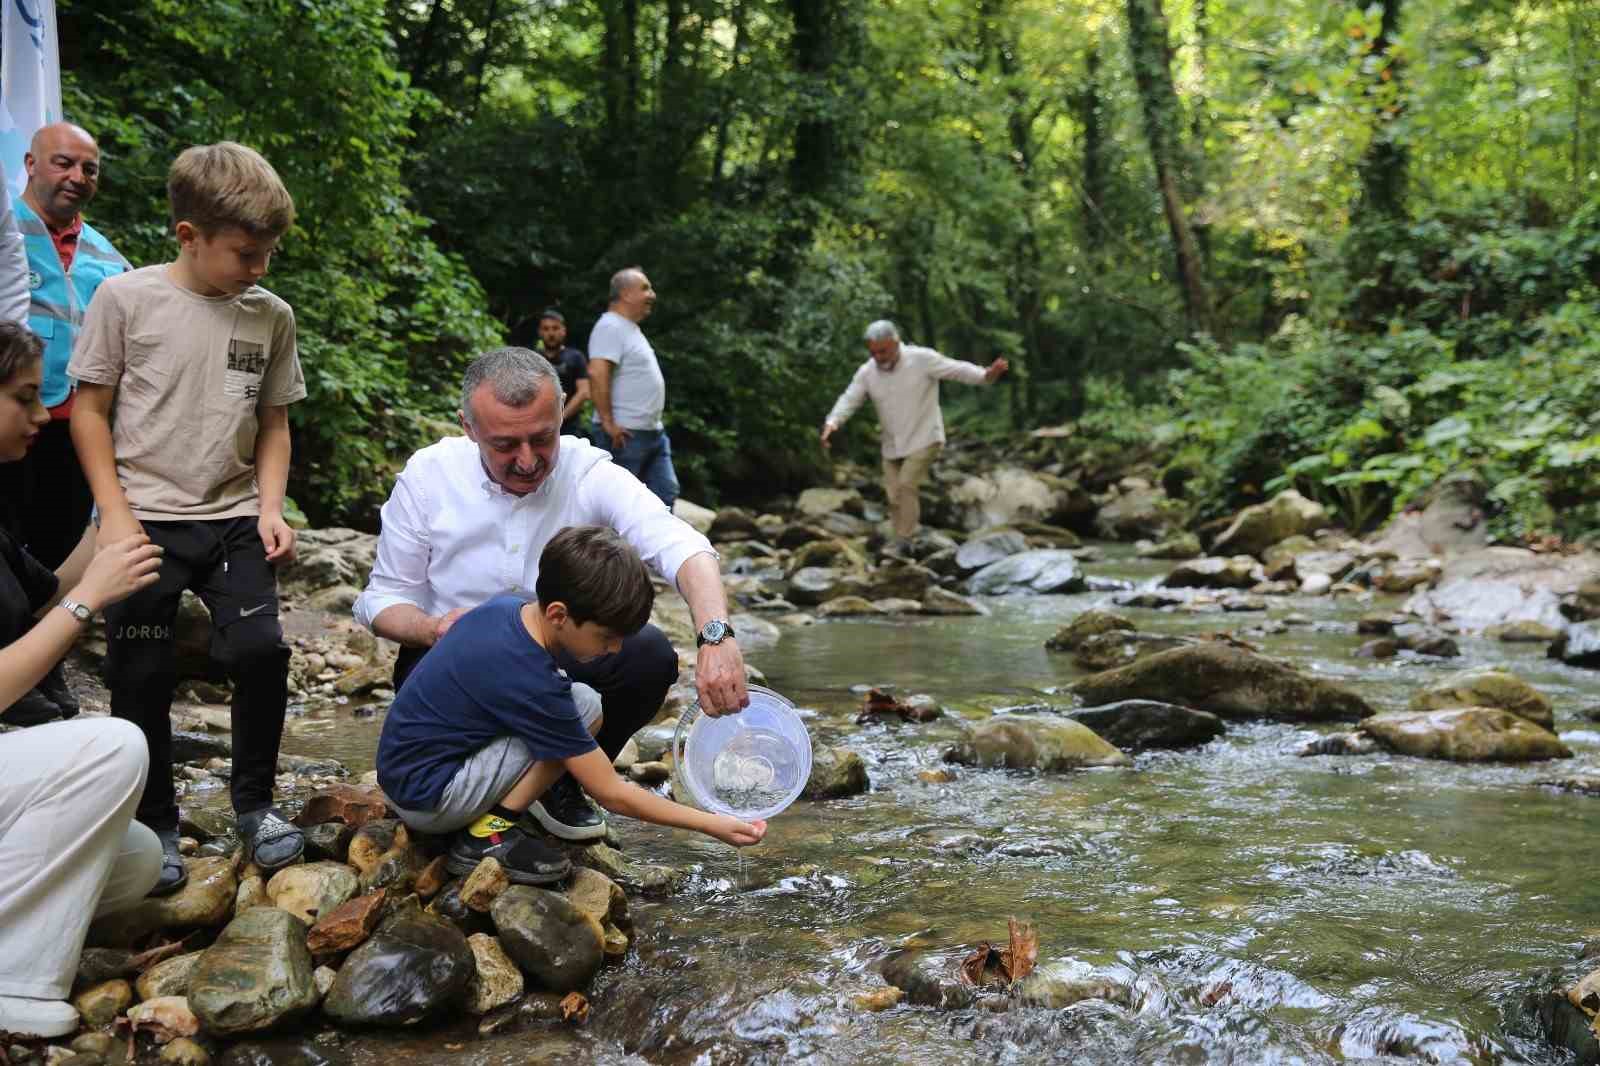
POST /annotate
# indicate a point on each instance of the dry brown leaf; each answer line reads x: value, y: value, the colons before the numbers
x: 880, y: 702
x: 574, y: 1008
x: 1217, y: 994
x: 145, y: 959
x: 1018, y: 960
x: 974, y: 965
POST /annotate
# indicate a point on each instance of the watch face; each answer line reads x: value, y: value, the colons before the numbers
x: 714, y: 631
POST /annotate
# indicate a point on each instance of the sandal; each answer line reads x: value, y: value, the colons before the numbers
x: 271, y: 841
x: 174, y: 875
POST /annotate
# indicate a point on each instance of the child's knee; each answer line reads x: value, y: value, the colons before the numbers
x: 589, y: 704
x: 247, y: 649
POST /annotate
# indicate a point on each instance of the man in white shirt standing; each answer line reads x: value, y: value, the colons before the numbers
x: 468, y: 519
x: 627, y: 389
x: 903, y: 381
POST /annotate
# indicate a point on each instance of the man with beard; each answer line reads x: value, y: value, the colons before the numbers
x: 468, y: 519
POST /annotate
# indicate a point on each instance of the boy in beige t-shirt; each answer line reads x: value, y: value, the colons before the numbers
x: 185, y: 372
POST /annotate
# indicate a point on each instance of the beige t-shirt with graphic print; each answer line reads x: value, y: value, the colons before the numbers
x: 191, y: 373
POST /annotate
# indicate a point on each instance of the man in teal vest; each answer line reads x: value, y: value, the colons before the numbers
x: 67, y: 261
x: 45, y: 499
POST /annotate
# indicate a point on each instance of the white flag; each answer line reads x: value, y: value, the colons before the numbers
x: 30, y: 80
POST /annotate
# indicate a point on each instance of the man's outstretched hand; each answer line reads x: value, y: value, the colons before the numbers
x: 992, y: 372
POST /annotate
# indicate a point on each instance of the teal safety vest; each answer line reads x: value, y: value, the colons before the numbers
x: 59, y: 299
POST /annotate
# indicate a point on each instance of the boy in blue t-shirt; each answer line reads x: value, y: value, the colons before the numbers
x: 486, y: 722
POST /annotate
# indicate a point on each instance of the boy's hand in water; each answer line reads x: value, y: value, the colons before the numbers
x: 730, y: 830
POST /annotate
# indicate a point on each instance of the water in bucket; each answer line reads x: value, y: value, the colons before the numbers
x: 751, y: 765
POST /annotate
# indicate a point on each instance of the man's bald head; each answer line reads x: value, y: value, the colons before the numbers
x: 63, y: 164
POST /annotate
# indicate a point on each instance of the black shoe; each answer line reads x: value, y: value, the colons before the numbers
x: 174, y: 875
x: 271, y: 841
x: 34, y: 708
x: 564, y: 811
x: 525, y: 860
x: 53, y: 686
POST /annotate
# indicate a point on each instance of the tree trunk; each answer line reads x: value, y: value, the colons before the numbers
x: 483, y: 56
x: 725, y: 103
x: 1090, y: 108
x: 1149, y: 51
x: 1383, y: 168
x: 811, y: 169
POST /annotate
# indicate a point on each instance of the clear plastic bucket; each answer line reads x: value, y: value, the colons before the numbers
x: 751, y: 765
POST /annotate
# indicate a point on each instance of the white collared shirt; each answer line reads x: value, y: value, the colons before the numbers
x: 453, y: 537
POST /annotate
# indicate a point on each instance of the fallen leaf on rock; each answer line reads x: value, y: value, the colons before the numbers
x: 145, y: 959
x: 880, y: 702
x: 1019, y: 959
x: 574, y: 1008
x: 1217, y: 994
x: 974, y: 968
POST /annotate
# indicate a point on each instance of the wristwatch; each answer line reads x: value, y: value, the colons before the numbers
x: 79, y: 611
x: 713, y: 632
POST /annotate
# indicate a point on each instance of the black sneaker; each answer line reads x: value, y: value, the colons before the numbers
x: 174, y: 875
x: 525, y: 860
x: 564, y: 811
x: 271, y: 841
x: 53, y: 686
x: 34, y: 708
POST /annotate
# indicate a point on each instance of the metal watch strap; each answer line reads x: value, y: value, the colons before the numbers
x: 78, y: 610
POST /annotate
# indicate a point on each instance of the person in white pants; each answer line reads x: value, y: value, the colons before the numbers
x: 69, y: 847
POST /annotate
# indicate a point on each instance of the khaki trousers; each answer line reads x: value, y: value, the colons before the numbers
x: 901, y: 478
x: 69, y: 847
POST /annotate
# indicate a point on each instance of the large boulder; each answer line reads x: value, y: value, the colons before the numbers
x: 812, y: 585
x: 1466, y: 734
x: 1578, y: 645
x: 1046, y: 570
x: 985, y: 548
x: 1007, y: 494
x: 415, y: 966
x: 1215, y: 572
x: 899, y: 581
x: 1227, y: 681
x: 310, y: 890
x: 1034, y: 742
x: 1258, y: 527
x: 1083, y: 626
x: 255, y: 977
x: 206, y: 902
x: 1450, y: 522
x: 554, y: 943
x: 815, y: 503
x: 1493, y: 586
x: 836, y: 772
x: 1107, y: 651
x: 1487, y: 687
x: 1139, y: 725
x: 1137, y: 511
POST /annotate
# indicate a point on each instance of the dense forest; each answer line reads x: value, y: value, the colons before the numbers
x: 1349, y: 246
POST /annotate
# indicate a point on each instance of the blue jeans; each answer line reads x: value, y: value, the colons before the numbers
x: 648, y: 457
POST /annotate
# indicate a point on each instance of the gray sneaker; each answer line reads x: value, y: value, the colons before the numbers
x: 565, y: 812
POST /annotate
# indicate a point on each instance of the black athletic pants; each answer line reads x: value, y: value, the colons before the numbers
x: 44, y: 498
x: 632, y: 683
x: 224, y: 563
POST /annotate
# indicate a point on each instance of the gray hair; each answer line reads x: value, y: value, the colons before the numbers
x: 515, y: 374
x: 881, y: 330
x: 623, y: 280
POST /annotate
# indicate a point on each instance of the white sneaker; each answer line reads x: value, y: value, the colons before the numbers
x: 37, y: 1017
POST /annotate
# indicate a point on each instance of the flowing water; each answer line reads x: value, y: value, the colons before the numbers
x: 1259, y: 907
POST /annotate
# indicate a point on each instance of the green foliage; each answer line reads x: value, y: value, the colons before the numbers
x: 385, y: 317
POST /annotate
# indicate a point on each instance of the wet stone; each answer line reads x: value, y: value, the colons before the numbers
x: 285, y: 1052
x: 1466, y: 734
x: 169, y: 977
x: 1487, y: 687
x: 1041, y: 571
x: 836, y: 772
x: 1343, y: 744
x: 1034, y: 742
x: 185, y: 1052
x: 553, y: 942
x: 100, y: 1004
x: 927, y: 980
x: 432, y: 877
x: 347, y: 925
x: 484, y: 885
x: 496, y: 980
x: 328, y: 841
x: 256, y: 976
x: 415, y: 966
x: 1088, y: 624
x: 1382, y: 648
x: 311, y: 890
x: 1138, y: 725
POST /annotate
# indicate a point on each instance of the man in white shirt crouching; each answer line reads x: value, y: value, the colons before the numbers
x: 468, y: 519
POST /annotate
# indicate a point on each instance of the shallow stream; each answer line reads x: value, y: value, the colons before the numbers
x: 1263, y: 908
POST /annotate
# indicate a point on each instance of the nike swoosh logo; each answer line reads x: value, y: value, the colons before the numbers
x: 243, y: 613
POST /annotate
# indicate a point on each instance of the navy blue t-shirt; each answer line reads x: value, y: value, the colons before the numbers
x: 486, y: 679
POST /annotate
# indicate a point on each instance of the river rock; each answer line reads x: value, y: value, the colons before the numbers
x: 1496, y: 585
x: 352, y: 805
x: 832, y: 553
x: 985, y: 548
x: 1316, y: 585
x: 1567, y: 1019
x: 496, y: 980
x: 1466, y: 734
x: 1180, y: 546
x: 835, y: 772
x: 252, y: 892
x: 1034, y: 742
x: 795, y: 534
x: 1586, y: 782
x: 185, y: 1052
x: 346, y: 926
x: 1058, y: 985
x: 204, y: 903
x: 1106, y: 651
x: 944, y: 602
x: 1278, y: 560
x: 596, y: 895
x: 312, y: 889
x: 1004, y: 495
x: 894, y: 605
x: 1214, y: 572
x: 1342, y: 744
x: 165, y: 1018
x: 1522, y: 633
x: 101, y: 1003
x: 812, y: 585
x: 733, y: 524
x: 328, y: 841
x: 927, y: 980
x: 1151, y: 599
x: 839, y: 524
x: 1083, y: 626
x: 899, y: 580
x: 257, y: 974
x: 1138, y: 725
x: 1258, y: 527
x: 847, y: 607
x: 814, y: 503
x: 552, y: 941
x: 1487, y: 687
x: 484, y: 885
x: 1404, y: 575
x: 415, y: 966
x: 169, y: 977
x: 1381, y: 648
x: 1578, y: 645
x: 1045, y: 570
x: 1134, y: 513
x: 1227, y: 681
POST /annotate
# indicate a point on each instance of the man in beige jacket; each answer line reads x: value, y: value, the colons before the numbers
x: 903, y: 381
